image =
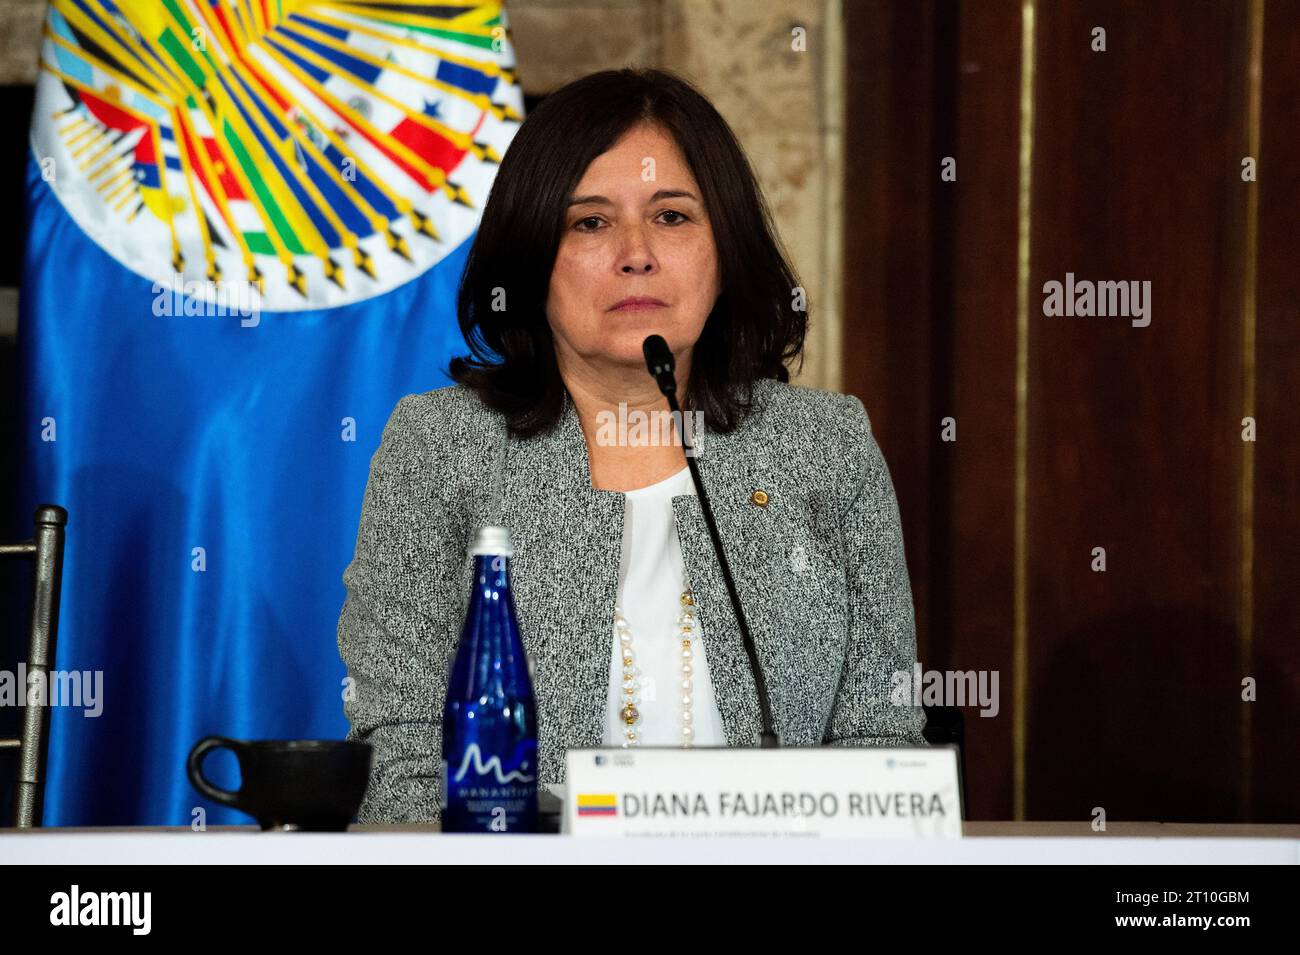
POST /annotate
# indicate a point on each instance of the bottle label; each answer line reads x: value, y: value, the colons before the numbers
x: 484, y: 793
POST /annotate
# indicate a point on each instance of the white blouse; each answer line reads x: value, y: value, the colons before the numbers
x: 650, y: 583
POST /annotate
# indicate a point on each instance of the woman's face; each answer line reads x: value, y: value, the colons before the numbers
x: 636, y: 228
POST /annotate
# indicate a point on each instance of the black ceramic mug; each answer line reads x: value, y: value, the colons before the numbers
x: 309, y: 784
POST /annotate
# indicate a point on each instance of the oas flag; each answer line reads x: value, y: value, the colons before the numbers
x: 247, y: 220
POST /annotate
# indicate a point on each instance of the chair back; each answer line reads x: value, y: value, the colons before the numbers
x: 45, y: 551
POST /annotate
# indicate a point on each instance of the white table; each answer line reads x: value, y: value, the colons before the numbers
x: 984, y: 842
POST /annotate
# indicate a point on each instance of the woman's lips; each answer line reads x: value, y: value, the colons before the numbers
x: 639, y: 306
x: 637, y: 303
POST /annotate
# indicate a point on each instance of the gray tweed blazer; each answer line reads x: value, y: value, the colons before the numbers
x: 819, y: 569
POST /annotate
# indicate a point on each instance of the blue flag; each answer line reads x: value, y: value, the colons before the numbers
x: 246, y: 228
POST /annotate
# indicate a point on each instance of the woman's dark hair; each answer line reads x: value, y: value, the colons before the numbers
x: 754, y: 327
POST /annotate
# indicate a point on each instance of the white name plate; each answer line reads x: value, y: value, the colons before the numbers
x: 870, y: 792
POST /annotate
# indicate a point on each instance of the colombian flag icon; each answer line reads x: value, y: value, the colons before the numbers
x: 597, y: 804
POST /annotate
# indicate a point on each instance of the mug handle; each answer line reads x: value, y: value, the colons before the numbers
x: 194, y: 767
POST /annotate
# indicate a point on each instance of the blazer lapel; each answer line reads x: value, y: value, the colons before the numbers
x: 567, y: 538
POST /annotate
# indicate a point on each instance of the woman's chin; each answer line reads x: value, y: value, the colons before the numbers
x: 628, y: 342
x: 641, y: 318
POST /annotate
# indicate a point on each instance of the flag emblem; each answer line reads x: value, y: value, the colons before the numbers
x: 321, y: 152
x: 597, y: 804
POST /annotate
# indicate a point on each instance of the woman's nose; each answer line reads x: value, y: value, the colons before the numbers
x: 635, y: 254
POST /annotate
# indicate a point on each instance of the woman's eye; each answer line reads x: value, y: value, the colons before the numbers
x: 581, y: 225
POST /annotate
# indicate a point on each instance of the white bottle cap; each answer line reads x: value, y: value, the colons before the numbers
x: 491, y: 539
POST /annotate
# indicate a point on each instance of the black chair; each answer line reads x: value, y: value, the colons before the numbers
x: 45, y: 550
x: 946, y: 724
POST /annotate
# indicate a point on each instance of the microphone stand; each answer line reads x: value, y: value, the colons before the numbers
x: 661, y: 368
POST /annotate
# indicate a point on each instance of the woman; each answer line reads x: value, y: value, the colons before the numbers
x: 624, y: 207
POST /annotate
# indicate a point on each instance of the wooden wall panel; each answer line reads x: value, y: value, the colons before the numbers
x: 1276, y: 567
x: 929, y: 332
x: 887, y: 300
x: 1133, y: 697
x: 980, y: 252
x: 1130, y: 447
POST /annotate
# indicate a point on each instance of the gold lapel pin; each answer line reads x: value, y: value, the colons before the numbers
x: 759, y: 497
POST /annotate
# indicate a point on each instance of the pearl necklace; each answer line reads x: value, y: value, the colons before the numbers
x: 630, y: 714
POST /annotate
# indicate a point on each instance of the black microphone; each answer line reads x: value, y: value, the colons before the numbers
x: 661, y: 364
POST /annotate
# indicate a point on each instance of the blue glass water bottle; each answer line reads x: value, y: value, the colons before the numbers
x: 489, y: 723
